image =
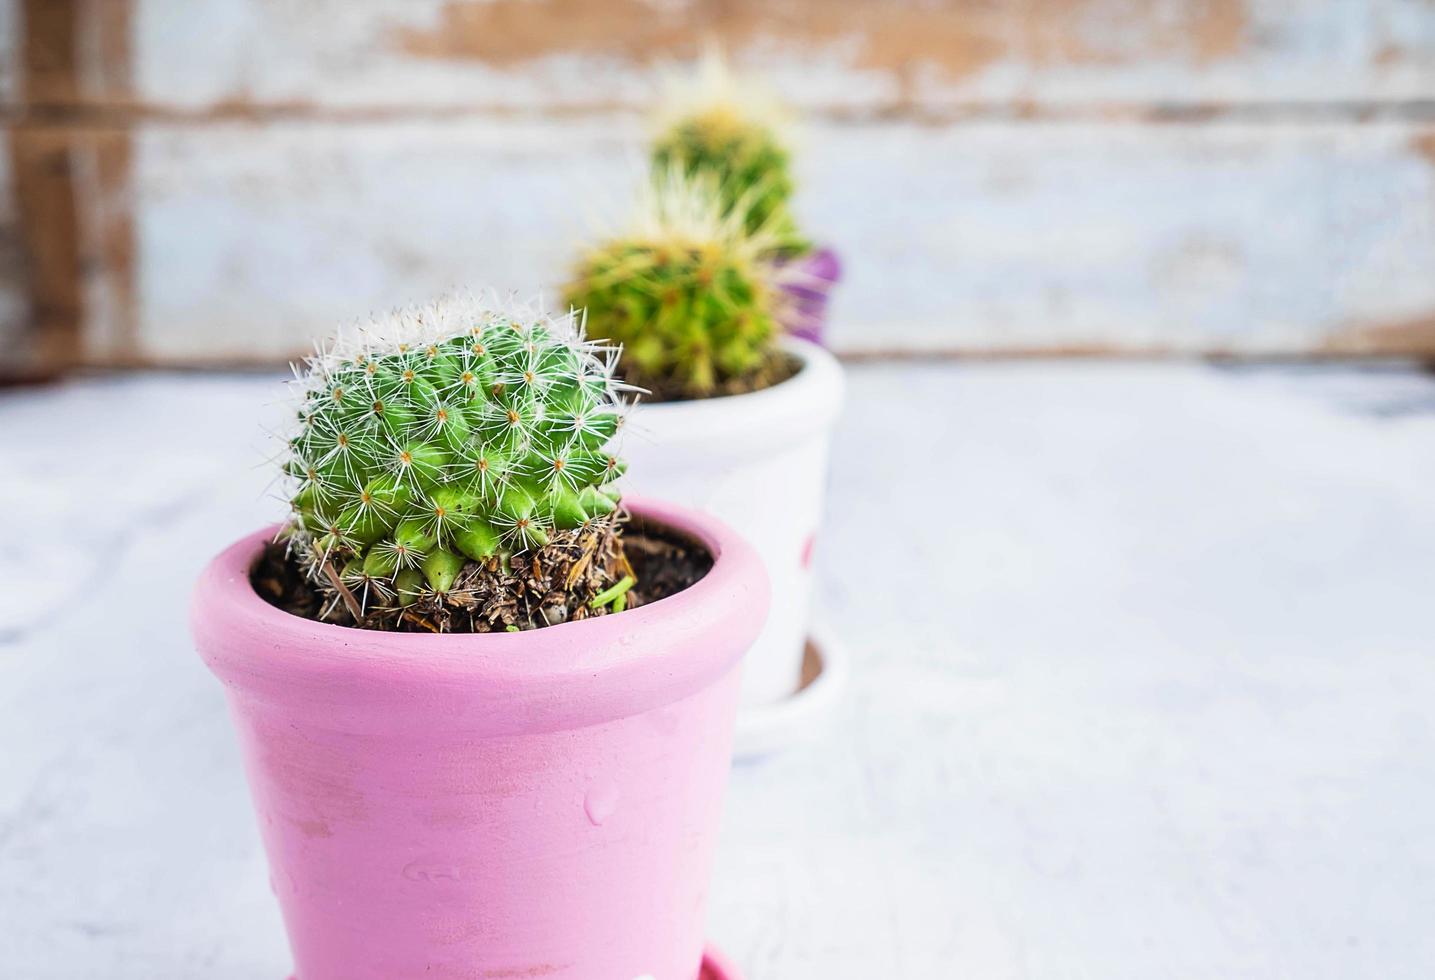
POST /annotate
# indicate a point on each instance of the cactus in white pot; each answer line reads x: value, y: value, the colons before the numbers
x: 684, y: 291
x: 738, y: 416
x: 726, y: 128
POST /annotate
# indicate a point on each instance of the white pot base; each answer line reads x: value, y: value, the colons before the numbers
x: 763, y: 729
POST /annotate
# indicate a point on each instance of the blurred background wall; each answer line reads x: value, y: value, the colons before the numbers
x: 213, y: 182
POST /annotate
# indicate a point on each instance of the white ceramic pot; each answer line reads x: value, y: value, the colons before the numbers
x: 758, y: 462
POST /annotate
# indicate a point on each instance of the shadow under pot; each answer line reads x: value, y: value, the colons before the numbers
x: 491, y: 804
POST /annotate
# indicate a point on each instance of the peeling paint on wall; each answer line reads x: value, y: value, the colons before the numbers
x: 834, y: 56
x: 220, y: 179
x: 1424, y: 144
x: 1415, y: 336
x: 958, y: 38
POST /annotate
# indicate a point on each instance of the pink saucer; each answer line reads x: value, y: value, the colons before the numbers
x: 715, y: 967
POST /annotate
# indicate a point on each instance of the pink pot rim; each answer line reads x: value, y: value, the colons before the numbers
x: 560, y: 677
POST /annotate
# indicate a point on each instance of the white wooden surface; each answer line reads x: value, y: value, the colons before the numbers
x: 1010, y: 236
x: 1142, y: 684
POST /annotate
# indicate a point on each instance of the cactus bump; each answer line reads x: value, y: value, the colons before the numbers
x: 446, y: 438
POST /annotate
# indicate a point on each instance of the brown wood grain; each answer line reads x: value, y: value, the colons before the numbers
x: 902, y: 40
x: 72, y: 202
x: 959, y: 37
x: 43, y: 178
x: 936, y: 59
x: 1412, y: 337
x: 42, y: 168
x: 49, y: 53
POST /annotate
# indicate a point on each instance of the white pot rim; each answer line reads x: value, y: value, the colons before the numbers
x: 804, y: 403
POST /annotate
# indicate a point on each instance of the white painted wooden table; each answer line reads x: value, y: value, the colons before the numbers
x: 1143, y: 685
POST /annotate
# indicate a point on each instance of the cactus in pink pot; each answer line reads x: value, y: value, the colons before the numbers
x: 485, y: 704
x: 434, y: 445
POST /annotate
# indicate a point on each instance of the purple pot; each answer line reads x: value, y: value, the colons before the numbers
x: 807, y: 281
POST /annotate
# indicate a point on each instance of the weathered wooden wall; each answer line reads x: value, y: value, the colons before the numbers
x: 200, y: 181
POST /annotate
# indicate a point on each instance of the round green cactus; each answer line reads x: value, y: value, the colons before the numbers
x: 683, y: 292
x: 451, y: 434
x: 718, y: 125
x: 749, y: 162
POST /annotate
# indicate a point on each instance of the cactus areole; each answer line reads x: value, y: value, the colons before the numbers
x: 445, y: 456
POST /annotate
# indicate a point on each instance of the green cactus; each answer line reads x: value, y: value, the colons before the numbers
x: 722, y: 126
x: 684, y: 292
x: 447, y: 435
x: 749, y: 162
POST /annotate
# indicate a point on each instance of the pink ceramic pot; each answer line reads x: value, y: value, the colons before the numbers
x: 538, y: 804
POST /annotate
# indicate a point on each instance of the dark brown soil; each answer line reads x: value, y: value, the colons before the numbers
x: 537, y: 588
x: 778, y: 368
x: 663, y: 562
